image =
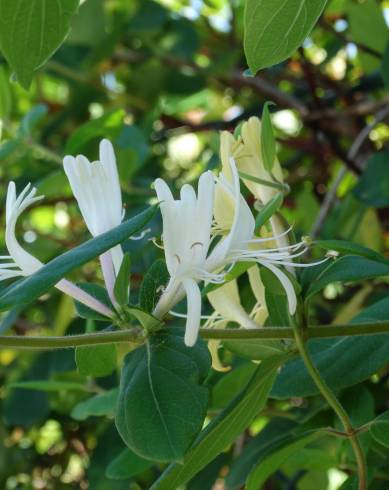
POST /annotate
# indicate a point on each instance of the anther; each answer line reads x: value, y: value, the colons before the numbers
x: 197, y: 243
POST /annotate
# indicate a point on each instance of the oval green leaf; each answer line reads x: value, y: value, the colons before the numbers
x: 334, y: 356
x: 274, y: 29
x: 162, y: 402
x: 379, y: 429
x: 126, y: 465
x: 30, y: 32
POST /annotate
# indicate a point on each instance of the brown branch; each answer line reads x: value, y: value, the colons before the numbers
x: 343, y: 37
x: 355, y: 147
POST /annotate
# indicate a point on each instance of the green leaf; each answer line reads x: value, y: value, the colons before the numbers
x: 275, y: 434
x: 344, y: 247
x: 349, y: 268
x: 373, y: 186
x: 8, y: 147
x: 334, y: 356
x: 96, y: 360
x: 255, y: 349
x: 26, y: 290
x: 311, y: 459
x: 97, y: 292
x: 99, y: 405
x: 9, y: 319
x: 161, y: 393
x: 224, y: 428
x: 232, y: 383
x: 155, y: 279
x: 261, y: 472
x: 31, y: 119
x: 379, y: 429
x: 126, y: 465
x: 108, y: 125
x: 268, y: 142
x: 149, y: 322
x: 274, y: 29
x: 49, y: 385
x: 122, y: 283
x: 88, y: 26
x: 268, y: 210
x: 5, y: 93
x: 275, y: 298
x: 30, y: 32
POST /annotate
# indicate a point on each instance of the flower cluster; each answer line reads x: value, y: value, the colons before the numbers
x: 192, y: 223
x: 204, y: 234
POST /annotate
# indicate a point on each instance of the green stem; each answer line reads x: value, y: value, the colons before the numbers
x: 320, y: 331
x: 137, y: 335
x: 335, y: 404
x: 277, y: 185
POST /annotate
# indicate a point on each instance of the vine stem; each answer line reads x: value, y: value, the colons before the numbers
x: 334, y: 403
x: 137, y: 335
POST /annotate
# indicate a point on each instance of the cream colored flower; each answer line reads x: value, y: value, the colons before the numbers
x: 188, y: 233
x: 246, y: 151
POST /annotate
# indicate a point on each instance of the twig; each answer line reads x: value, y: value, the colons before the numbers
x: 363, y: 108
x: 137, y: 335
x: 355, y: 147
x: 262, y: 86
x: 334, y: 403
x: 345, y: 39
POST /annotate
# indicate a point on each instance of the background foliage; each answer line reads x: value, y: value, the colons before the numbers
x: 160, y: 79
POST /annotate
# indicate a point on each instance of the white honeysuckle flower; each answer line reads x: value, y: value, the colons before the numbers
x: 187, y: 226
x: 21, y: 263
x: 96, y: 187
x: 188, y: 231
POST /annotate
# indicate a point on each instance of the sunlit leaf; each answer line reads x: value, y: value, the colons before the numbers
x: 274, y: 29
x: 30, y: 32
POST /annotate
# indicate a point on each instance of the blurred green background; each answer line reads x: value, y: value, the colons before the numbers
x: 160, y: 79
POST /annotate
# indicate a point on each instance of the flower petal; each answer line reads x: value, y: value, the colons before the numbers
x: 226, y: 301
x: 14, y: 207
x: 193, y: 297
x: 286, y: 283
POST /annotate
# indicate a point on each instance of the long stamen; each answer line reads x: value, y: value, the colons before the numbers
x: 269, y: 254
x: 141, y: 235
x: 185, y: 315
x: 273, y: 237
